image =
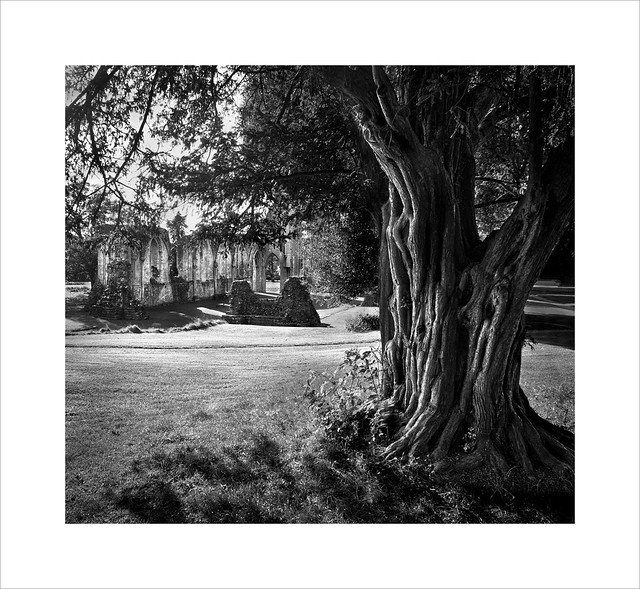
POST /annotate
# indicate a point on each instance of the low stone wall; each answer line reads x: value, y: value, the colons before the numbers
x: 106, y: 312
x: 181, y: 290
x: 203, y: 289
x: 157, y: 294
x: 176, y: 291
x: 115, y: 302
x: 293, y: 307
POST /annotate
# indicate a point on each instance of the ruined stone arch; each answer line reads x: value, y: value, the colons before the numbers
x: 260, y: 260
x: 154, y: 259
x: 208, y: 264
x: 113, y: 250
x: 157, y: 256
x: 259, y: 277
x: 223, y: 259
x: 273, y: 255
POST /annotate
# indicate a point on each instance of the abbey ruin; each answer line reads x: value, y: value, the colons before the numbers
x: 153, y: 271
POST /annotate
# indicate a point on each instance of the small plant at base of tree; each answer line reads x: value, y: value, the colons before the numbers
x: 346, y: 400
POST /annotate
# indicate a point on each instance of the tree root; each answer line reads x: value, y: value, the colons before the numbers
x: 520, y: 438
x: 529, y: 442
x: 485, y: 454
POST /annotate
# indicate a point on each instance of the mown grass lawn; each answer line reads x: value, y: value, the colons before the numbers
x: 225, y: 435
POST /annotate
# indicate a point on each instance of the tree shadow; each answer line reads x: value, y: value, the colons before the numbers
x: 153, y: 501
x: 173, y: 315
x: 256, y: 482
x: 228, y: 481
x: 554, y: 330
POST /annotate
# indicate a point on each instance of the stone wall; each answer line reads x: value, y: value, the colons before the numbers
x: 114, y: 298
x: 204, y: 289
x: 292, y: 307
x: 205, y: 268
x: 157, y: 294
x: 295, y: 304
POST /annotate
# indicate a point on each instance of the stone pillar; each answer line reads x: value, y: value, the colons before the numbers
x: 259, y: 272
x: 163, y: 255
x: 285, y: 271
x: 102, y: 265
x: 285, y: 263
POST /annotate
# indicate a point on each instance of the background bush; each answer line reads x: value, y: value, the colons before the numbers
x: 362, y: 323
x: 344, y: 256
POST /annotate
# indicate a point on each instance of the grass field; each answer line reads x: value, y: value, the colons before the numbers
x: 211, y: 426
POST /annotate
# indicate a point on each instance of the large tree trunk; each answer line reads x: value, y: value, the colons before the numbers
x: 457, y: 305
x: 455, y: 362
x: 456, y: 351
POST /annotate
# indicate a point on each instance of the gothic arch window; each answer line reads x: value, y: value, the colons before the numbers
x: 155, y: 260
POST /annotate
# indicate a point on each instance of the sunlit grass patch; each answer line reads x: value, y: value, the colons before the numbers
x: 554, y: 403
x: 201, y: 415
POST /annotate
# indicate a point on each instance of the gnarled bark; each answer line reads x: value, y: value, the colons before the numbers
x: 458, y: 304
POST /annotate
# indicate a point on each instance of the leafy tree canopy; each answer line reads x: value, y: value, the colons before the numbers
x: 257, y: 149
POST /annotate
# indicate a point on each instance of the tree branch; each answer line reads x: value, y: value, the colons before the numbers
x: 138, y: 136
x: 536, y: 135
x: 386, y: 96
x: 74, y: 112
x: 509, y: 198
x: 540, y: 217
x: 514, y: 197
x: 287, y: 98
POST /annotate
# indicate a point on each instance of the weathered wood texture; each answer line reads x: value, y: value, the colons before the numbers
x: 457, y: 304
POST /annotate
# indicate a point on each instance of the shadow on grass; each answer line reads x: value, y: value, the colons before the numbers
x: 154, y: 501
x: 554, y: 330
x: 257, y: 482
